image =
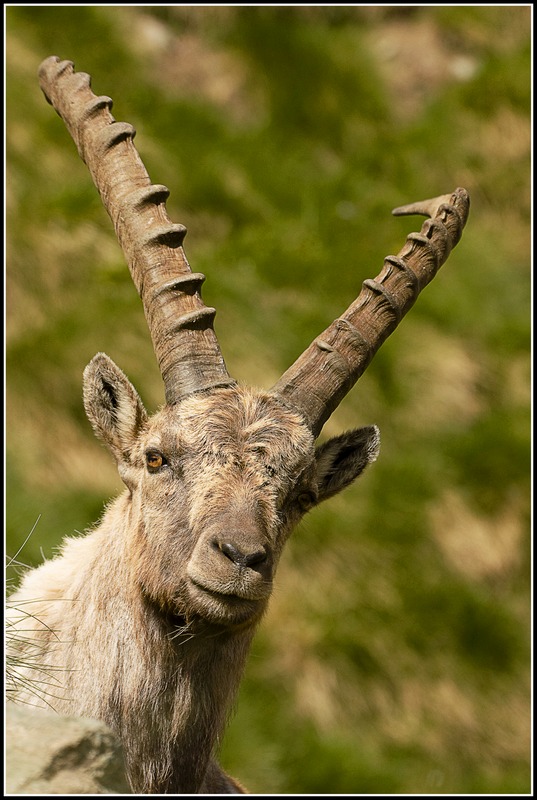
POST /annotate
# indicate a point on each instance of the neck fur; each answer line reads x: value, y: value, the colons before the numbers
x: 172, y: 713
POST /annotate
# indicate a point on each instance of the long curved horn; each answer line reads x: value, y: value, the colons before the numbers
x: 181, y: 326
x: 321, y: 377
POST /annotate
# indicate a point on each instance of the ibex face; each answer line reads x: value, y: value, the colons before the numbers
x: 217, y: 482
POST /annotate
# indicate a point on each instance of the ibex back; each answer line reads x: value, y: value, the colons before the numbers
x: 148, y: 618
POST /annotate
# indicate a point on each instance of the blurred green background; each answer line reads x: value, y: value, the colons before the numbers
x: 395, y: 655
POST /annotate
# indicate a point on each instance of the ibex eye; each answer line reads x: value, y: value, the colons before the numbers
x: 306, y: 500
x: 154, y: 460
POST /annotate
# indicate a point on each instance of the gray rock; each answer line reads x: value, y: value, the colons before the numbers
x: 50, y: 754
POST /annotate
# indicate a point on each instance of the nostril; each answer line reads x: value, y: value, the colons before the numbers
x: 232, y: 552
x: 237, y: 556
x: 255, y: 558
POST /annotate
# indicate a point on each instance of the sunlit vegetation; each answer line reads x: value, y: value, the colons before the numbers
x: 395, y: 655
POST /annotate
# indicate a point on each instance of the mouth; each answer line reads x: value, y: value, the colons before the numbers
x: 226, y: 608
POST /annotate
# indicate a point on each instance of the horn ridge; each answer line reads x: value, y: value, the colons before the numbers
x: 180, y: 324
x: 321, y: 377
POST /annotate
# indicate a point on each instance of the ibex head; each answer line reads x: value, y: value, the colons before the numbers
x: 220, y: 476
x: 217, y: 480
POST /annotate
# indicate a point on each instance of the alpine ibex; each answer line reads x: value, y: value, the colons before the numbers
x: 148, y: 618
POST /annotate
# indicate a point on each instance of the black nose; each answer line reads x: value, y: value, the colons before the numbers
x: 242, y: 557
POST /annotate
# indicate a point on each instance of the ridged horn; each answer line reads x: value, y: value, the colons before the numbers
x: 181, y: 326
x: 321, y: 377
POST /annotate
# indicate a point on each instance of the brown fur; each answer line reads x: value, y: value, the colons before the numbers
x: 148, y: 618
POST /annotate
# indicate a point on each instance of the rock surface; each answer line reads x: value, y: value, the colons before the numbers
x: 50, y: 754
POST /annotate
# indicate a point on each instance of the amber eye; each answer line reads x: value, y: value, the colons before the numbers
x: 154, y: 460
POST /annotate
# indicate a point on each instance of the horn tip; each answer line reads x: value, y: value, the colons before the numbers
x: 429, y: 208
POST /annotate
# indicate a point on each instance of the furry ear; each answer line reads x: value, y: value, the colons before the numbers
x: 113, y: 406
x: 340, y: 460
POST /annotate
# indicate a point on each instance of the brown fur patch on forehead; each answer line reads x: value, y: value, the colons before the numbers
x: 238, y: 418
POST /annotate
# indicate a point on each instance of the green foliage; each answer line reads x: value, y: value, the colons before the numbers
x: 394, y: 657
